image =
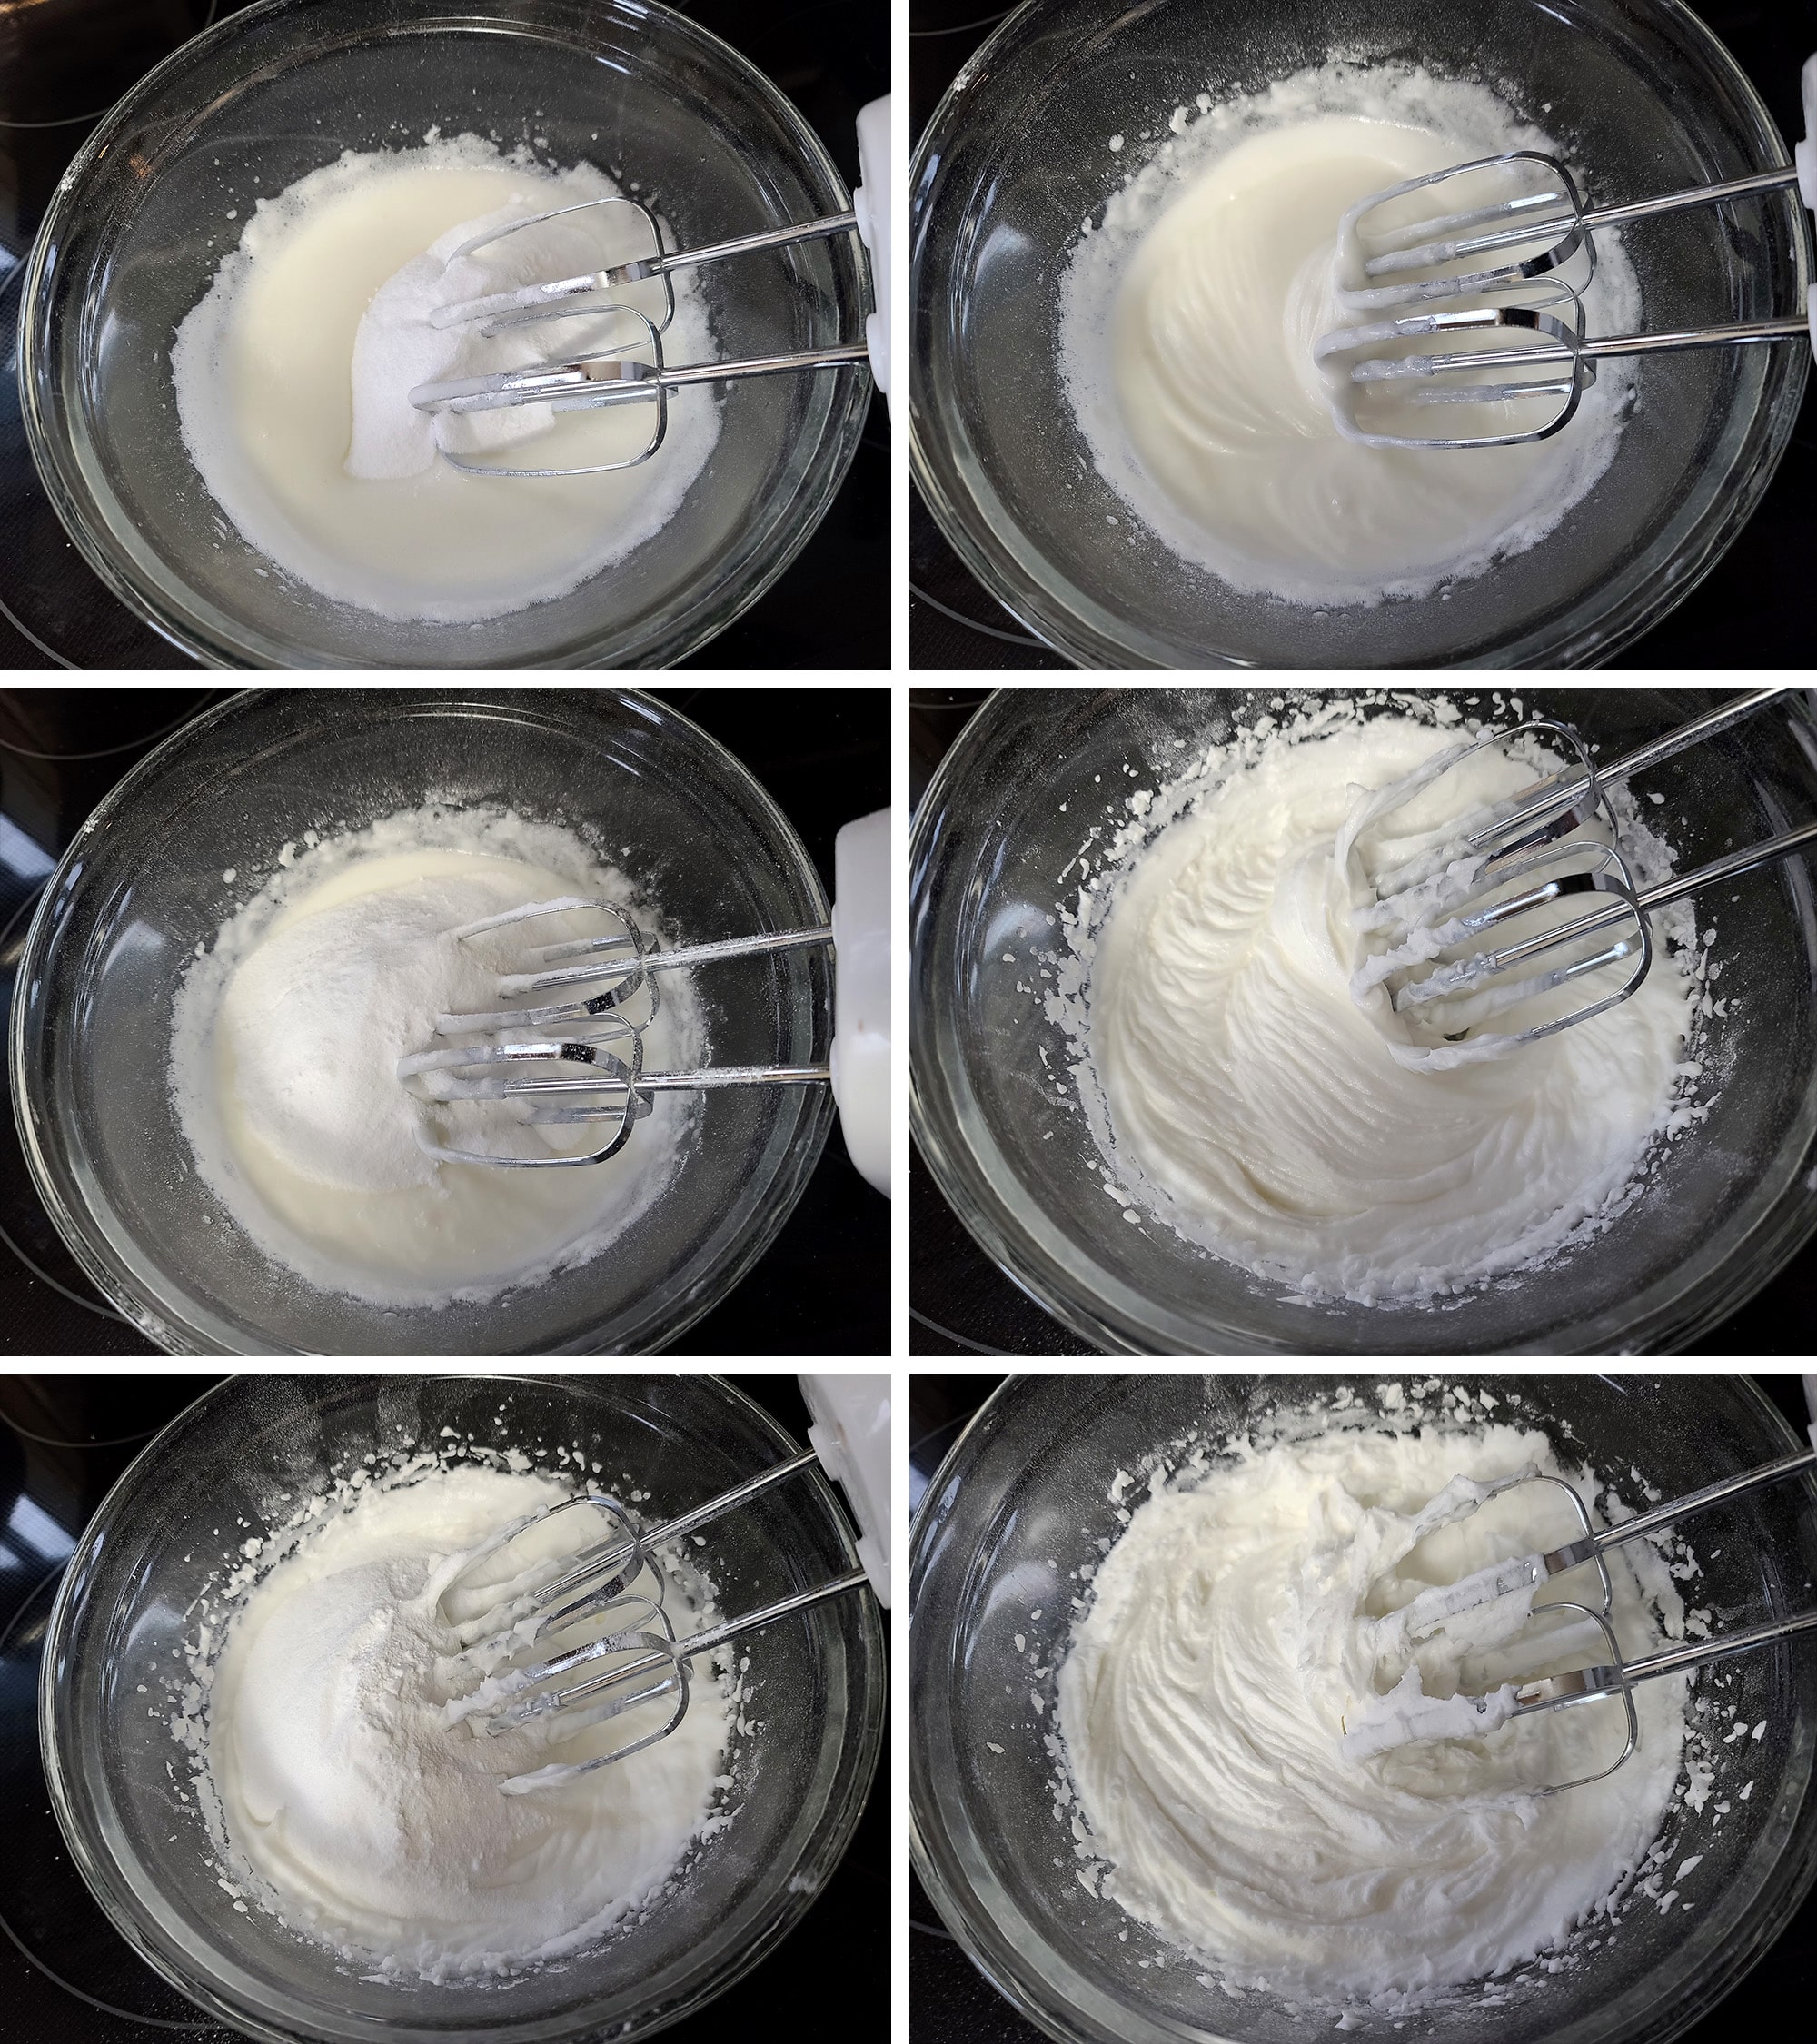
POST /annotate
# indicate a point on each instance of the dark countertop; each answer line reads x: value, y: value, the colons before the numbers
x: 1749, y: 612
x: 64, y: 1440
x: 961, y: 1304
x: 951, y: 2002
x: 62, y: 61
x: 823, y: 1286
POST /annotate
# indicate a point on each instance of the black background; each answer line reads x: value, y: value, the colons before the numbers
x: 60, y: 59
x: 952, y: 2002
x: 1751, y: 612
x: 823, y: 1286
x: 842, y: 1945
x: 960, y: 1303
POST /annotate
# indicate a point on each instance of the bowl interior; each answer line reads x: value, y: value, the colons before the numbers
x: 235, y: 1465
x: 144, y: 886
x: 1637, y: 92
x: 134, y: 239
x: 997, y: 841
x: 1021, y: 1505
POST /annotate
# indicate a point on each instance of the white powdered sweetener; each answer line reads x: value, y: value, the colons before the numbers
x: 294, y: 376
x: 344, y: 1796
x: 1242, y: 1623
x: 1188, y: 315
x: 1240, y: 1090
x: 288, y: 1031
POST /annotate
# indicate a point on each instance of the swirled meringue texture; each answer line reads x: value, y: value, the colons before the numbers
x: 1189, y: 324
x: 1260, y: 1111
x: 1234, y: 1629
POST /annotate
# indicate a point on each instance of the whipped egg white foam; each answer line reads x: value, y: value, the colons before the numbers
x: 1242, y: 1621
x: 288, y: 1029
x: 343, y: 1797
x: 1238, y: 1090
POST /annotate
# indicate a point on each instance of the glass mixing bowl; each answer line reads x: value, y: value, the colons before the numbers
x: 139, y: 223
x: 142, y: 887
x: 1020, y: 1505
x: 235, y: 1466
x: 1016, y: 158
x: 1004, y: 819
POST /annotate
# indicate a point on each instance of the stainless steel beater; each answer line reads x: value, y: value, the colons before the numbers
x: 595, y: 1072
x: 620, y: 1091
x: 1617, y: 1677
x: 631, y: 371
x: 560, y: 298
x: 1532, y: 358
x: 1367, y: 389
x: 630, y: 367
x: 1441, y: 893
x: 628, y: 1654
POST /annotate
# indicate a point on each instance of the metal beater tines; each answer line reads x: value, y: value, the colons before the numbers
x: 1494, y: 223
x: 1468, y: 921
x: 1603, y: 1681
x: 1466, y: 287
x: 1465, y: 376
x: 615, y: 1650
x: 1523, y: 371
x: 567, y: 297
x: 582, y: 1075
x: 631, y: 371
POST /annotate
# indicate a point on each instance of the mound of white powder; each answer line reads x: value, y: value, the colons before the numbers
x: 341, y: 1799
x: 289, y: 1029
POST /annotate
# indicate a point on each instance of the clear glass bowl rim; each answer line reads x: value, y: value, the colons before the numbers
x: 90, y: 1244
x: 59, y: 471
x: 115, y: 1894
x: 1084, y: 634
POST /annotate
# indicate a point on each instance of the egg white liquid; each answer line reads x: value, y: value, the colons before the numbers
x: 268, y: 364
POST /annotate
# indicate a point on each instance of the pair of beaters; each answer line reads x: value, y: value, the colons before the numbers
x: 1467, y: 289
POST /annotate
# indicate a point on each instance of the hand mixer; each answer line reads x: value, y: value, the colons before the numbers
x: 616, y: 1091
x: 1381, y: 1725
x: 628, y: 368
x: 1374, y: 371
x: 638, y: 1659
x: 1440, y: 894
